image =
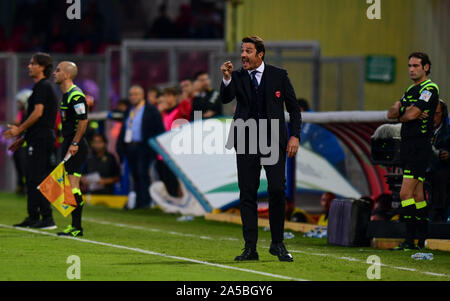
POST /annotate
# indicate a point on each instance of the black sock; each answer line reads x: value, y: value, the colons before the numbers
x: 422, y: 225
x: 76, y: 214
x: 409, y: 217
x: 410, y: 231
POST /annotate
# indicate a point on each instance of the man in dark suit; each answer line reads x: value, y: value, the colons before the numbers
x: 262, y: 91
x: 142, y: 122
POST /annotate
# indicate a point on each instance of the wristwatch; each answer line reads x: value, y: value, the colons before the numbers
x: 74, y: 143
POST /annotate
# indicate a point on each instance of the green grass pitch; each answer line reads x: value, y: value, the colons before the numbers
x: 147, y: 245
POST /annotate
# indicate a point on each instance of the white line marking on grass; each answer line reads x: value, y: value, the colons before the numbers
x: 349, y: 258
x: 92, y: 220
x: 156, y: 254
x: 407, y: 269
x: 435, y: 274
x: 235, y: 239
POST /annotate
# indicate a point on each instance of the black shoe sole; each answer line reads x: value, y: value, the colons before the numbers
x: 51, y: 227
x: 254, y: 257
x: 68, y: 234
x: 239, y: 258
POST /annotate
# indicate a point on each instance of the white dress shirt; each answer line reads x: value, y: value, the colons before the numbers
x: 259, y: 75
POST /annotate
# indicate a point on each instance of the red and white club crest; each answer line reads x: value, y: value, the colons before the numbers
x: 278, y: 94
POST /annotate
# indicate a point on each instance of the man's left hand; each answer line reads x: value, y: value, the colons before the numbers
x: 292, y: 146
x: 209, y: 114
x: 73, y: 150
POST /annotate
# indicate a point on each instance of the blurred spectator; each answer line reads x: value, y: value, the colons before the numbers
x: 322, y: 141
x: 162, y: 27
x: 101, y: 170
x: 186, y: 97
x: 34, y: 27
x: 20, y: 155
x: 382, y: 209
x: 123, y: 106
x: 117, y: 115
x: 93, y: 125
x: 207, y: 21
x: 141, y: 123
x: 440, y: 169
x: 184, y: 22
x: 22, y: 105
x: 152, y: 95
x: 187, y: 89
x: 2, y: 37
x: 206, y: 99
x: 171, y: 110
x: 325, y: 202
x: 91, y: 30
x: 160, y: 102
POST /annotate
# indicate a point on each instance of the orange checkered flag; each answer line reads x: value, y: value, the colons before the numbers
x: 57, y: 190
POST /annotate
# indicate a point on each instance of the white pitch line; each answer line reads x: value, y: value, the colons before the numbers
x: 156, y: 254
x: 235, y: 239
x: 154, y: 229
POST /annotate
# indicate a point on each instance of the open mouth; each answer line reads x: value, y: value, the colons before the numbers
x: 245, y: 63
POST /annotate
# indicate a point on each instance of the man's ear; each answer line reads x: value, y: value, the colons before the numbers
x: 261, y: 55
x: 426, y: 67
x: 42, y: 68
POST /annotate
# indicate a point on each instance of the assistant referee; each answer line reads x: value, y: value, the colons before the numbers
x: 73, y: 110
x: 416, y: 111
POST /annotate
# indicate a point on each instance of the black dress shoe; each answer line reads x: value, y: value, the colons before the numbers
x: 248, y: 254
x: 28, y: 222
x: 279, y: 250
x: 45, y: 224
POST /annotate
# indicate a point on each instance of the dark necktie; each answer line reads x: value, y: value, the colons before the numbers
x: 254, y: 80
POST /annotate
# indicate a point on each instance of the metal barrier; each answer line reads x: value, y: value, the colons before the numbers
x: 8, y: 90
x: 112, y: 75
x: 149, y: 63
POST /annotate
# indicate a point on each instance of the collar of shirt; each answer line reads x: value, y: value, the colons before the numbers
x: 260, y: 70
x: 436, y: 131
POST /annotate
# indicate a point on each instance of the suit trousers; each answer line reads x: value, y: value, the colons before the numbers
x: 139, y: 161
x: 249, y: 171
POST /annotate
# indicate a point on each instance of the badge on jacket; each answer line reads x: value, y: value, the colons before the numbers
x: 278, y: 94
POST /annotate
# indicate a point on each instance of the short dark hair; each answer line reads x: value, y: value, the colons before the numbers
x: 154, y: 88
x: 201, y: 72
x: 102, y: 136
x: 258, y: 42
x: 444, y: 110
x: 424, y: 59
x: 186, y: 78
x: 172, y: 91
x: 124, y: 101
x: 44, y: 60
x: 303, y: 103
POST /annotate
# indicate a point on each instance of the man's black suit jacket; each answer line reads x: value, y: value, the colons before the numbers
x: 278, y: 94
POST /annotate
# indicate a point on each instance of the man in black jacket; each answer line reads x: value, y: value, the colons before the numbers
x: 206, y: 99
x: 261, y: 92
x: 142, y: 123
x: 440, y: 168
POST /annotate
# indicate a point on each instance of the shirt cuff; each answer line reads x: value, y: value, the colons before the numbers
x: 226, y: 82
